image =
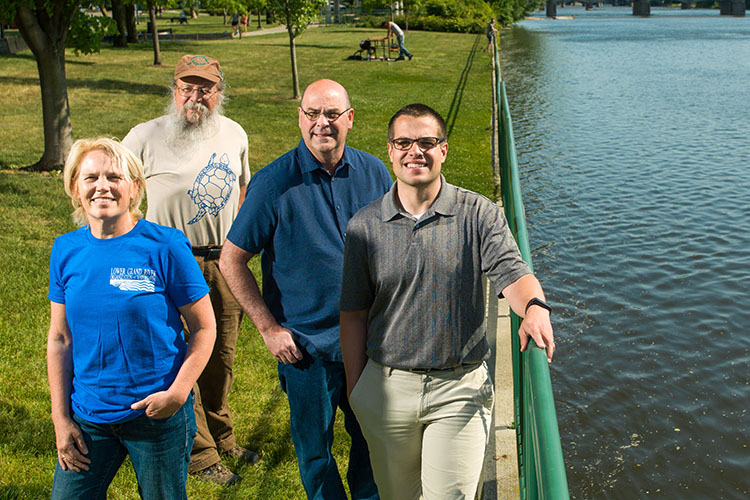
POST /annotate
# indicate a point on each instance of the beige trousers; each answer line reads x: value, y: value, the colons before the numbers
x: 427, y: 432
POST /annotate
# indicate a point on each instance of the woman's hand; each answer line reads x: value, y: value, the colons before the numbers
x: 161, y: 404
x: 71, y: 449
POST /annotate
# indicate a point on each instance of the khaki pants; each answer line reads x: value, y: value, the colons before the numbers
x: 212, y: 415
x: 427, y: 432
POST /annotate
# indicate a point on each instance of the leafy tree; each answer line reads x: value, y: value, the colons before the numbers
x: 258, y: 6
x: 225, y: 6
x: 44, y: 26
x: 296, y: 15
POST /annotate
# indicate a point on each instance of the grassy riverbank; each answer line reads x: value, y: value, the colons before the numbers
x: 116, y: 89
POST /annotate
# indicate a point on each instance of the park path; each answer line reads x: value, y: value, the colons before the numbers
x: 269, y: 31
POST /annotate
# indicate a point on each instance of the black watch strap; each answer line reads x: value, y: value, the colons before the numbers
x: 536, y: 301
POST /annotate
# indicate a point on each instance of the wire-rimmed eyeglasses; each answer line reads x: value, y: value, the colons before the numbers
x: 203, y: 92
x: 331, y: 116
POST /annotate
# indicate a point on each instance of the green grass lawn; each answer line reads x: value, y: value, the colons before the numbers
x: 112, y: 91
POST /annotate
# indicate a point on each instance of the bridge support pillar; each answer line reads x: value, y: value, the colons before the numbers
x: 641, y: 8
x: 551, y: 10
x: 732, y: 8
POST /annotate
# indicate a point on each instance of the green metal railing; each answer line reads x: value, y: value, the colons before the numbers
x: 540, y: 462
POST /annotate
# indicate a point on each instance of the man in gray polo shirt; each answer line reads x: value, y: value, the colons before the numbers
x: 412, y: 317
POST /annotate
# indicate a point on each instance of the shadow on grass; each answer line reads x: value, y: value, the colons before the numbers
x: 8, y: 187
x: 105, y: 84
x: 23, y: 433
x: 458, y: 95
x: 326, y: 47
x: 281, y: 450
x: 30, y: 57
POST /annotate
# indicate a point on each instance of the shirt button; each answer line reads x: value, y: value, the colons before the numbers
x: 338, y: 207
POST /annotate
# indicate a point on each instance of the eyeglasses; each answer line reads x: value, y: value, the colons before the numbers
x: 424, y: 143
x: 331, y: 116
x: 203, y: 92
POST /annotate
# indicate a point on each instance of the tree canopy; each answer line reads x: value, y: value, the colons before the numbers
x: 46, y: 26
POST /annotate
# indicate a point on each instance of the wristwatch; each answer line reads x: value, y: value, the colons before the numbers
x: 536, y: 301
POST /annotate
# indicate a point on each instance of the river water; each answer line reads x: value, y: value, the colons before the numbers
x: 634, y: 149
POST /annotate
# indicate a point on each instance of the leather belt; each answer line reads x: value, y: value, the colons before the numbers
x: 207, y: 252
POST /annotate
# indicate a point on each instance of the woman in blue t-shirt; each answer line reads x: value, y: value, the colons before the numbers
x: 120, y: 372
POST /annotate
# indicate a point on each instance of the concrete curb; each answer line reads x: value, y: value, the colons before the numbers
x: 500, y: 474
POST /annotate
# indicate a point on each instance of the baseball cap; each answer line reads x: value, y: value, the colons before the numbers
x: 201, y: 66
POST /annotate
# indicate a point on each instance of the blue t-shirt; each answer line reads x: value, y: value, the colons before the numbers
x: 121, y: 299
x: 295, y: 213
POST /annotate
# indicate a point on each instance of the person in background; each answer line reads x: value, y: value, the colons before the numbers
x: 236, y: 25
x: 393, y: 29
x: 196, y: 167
x: 295, y: 216
x: 412, y: 318
x: 243, y: 22
x: 491, y: 33
x: 120, y: 372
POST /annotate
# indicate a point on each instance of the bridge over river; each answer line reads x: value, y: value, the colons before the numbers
x: 643, y: 7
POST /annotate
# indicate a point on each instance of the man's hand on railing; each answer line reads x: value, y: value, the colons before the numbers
x: 536, y: 325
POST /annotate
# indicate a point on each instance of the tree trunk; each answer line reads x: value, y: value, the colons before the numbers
x: 45, y: 37
x: 293, y: 50
x: 259, y: 25
x: 130, y: 23
x: 193, y: 12
x: 224, y: 13
x: 118, y: 14
x: 154, y: 32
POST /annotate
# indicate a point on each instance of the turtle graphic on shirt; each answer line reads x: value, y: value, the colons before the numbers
x: 212, y: 187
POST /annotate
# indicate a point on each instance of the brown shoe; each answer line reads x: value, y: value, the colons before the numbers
x: 243, y: 454
x: 218, y: 474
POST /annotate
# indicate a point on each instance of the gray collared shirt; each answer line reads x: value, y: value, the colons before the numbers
x: 422, y: 280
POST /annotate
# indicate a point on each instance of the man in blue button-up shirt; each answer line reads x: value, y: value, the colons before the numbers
x: 295, y: 215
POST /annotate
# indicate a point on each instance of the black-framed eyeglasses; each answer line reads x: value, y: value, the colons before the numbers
x: 331, y: 116
x: 424, y: 143
x: 203, y: 92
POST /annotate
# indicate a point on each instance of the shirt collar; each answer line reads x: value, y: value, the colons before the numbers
x: 444, y: 204
x: 309, y: 163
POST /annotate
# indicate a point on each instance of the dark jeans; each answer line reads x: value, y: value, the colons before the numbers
x: 315, y: 389
x: 159, y: 450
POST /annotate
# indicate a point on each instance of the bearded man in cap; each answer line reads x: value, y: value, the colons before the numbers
x: 196, y: 166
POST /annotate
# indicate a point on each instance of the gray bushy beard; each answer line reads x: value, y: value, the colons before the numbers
x: 185, y: 136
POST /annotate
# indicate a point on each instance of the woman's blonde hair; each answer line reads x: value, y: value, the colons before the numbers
x: 122, y: 159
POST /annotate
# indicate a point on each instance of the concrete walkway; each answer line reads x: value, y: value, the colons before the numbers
x: 501, y: 460
x: 267, y: 31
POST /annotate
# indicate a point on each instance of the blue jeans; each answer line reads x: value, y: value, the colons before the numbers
x: 402, y: 52
x: 159, y: 450
x: 315, y: 389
